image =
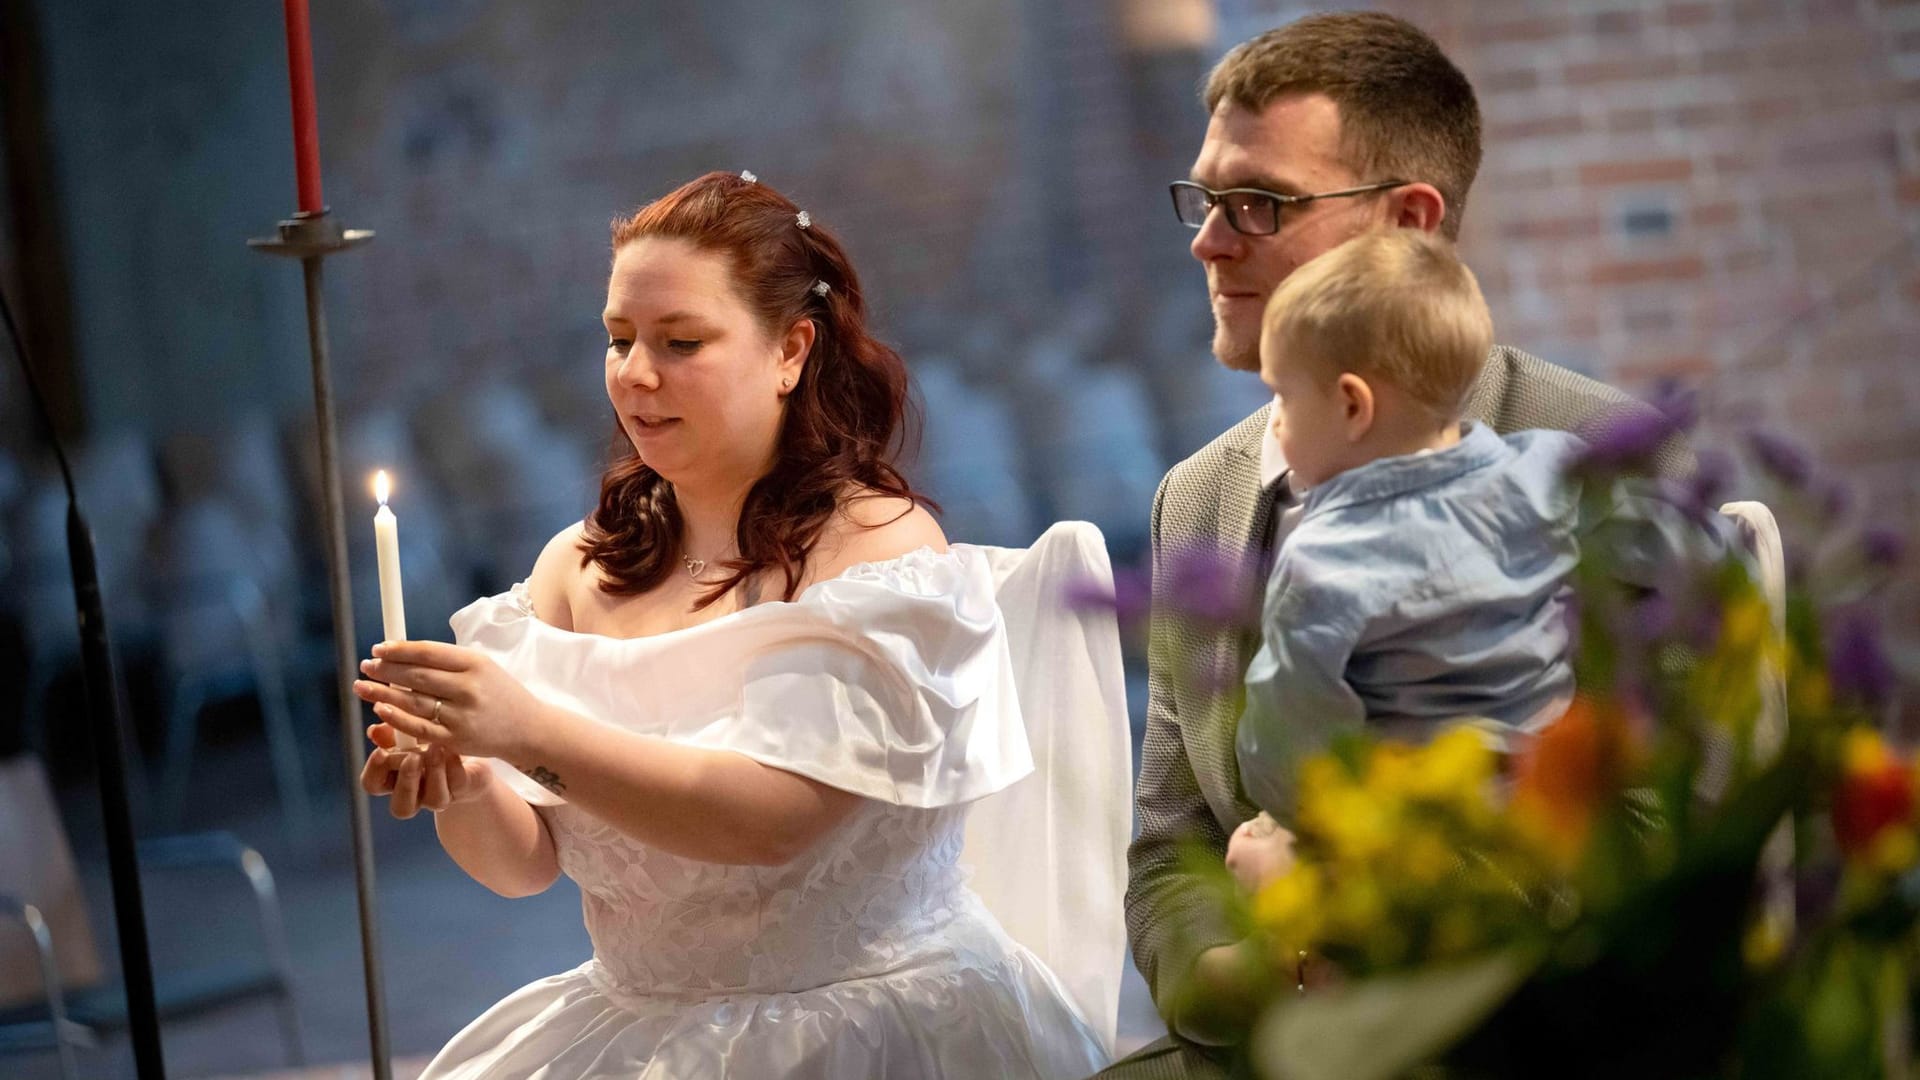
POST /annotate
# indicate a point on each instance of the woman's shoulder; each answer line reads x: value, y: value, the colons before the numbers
x: 556, y: 574
x: 874, y: 527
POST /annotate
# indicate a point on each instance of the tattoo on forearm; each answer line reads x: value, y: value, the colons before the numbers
x: 547, y: 778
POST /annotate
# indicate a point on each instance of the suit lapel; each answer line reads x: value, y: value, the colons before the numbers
x: 1244, y: 508
x: 1245, y: 530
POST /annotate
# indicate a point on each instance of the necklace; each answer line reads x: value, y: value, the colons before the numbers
x: 696, y: 567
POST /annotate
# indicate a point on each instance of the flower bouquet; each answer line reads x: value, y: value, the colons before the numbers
x: 1707, y: 867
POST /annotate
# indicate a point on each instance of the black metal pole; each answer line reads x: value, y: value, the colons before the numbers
x: 311, y: 238
x: 109, y: 736
x: 107, y: 730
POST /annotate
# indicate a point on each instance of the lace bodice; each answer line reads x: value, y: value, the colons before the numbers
x: 881, y: 892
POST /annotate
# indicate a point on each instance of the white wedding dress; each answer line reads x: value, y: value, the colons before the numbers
x: 908, y: 942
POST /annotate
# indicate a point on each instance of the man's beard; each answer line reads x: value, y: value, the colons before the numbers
x: 1233, y: 353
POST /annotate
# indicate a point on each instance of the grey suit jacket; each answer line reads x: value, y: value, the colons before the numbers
x: 1189, y: 786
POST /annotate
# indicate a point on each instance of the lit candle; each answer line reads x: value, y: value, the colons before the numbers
x: 306, y: 126
x: 386, y: 546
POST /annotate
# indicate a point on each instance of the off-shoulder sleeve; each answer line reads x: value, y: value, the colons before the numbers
x: 892, y: 681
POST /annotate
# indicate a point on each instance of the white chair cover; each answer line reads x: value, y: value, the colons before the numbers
x: 1760, y: 534
x: 1049, y: 854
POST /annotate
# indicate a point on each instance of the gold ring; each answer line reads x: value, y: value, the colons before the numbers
x: 436, y: 709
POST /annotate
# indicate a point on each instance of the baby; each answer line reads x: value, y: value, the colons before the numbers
x: 1425, y: 578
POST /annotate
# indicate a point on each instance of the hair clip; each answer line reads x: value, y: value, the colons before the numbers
x: 805, y: 219
x: 749, y: 177
x: 820, y: 288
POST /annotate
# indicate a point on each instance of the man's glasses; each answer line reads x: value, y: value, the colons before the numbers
x: 1251, y: 211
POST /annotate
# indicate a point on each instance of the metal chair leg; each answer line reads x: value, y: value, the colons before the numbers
x: 66, y: 1033
x: 273, y: 931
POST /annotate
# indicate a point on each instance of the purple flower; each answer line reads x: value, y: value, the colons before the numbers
x: 1712, y: 474
x: 1632, y: 436
x: 1693, y: 615
x: 1679, y: 402
x: 1882, y: 547
x: 1213, y: 586
x: 1857, y: 663
x: 1835, y: 500
x: 1128, y: 597
x: 1626, y: 440
x: 1652, y: 617
x: 1782, y: 458
x: 1200, y: 583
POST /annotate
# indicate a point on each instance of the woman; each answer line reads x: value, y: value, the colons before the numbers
x: 748, y: 698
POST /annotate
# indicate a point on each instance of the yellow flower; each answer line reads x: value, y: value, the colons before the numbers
x: 1810, y: 691
x: 1426, y: 858
x: 1292, y: 907
x: 1357, y: 824
x: 1358, y: 907
x: 1746, y: 622
x: 1765, y: 941
x: 1456, y: 932
x: 1392, y: 769
x: 1862, y: 750
x: 1893, y: 852
x: 1454, y: 769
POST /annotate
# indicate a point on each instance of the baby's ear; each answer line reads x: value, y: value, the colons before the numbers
x: 1356, y: 398
x: 1357, y: 401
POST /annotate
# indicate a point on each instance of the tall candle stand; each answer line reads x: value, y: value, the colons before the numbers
x: 311, y: 237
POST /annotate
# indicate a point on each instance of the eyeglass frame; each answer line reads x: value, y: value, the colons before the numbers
x: 1280, y: 201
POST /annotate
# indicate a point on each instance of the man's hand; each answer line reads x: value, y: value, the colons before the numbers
x: 1223, y: 995
x: 1259, y: 851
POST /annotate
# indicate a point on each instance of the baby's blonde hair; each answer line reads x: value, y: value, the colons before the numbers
x: 1392, y: 305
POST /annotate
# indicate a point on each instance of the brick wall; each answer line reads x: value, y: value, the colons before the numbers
x: 1726, y: 193
x: 492, y: 145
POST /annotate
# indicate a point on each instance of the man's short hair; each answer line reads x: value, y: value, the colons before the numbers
x: 1391, y: 305
x: 1406, y: 112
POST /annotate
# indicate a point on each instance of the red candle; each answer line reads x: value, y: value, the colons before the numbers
x: 306, y: 129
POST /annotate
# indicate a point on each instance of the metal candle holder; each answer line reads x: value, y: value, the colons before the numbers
x: 311, y: 237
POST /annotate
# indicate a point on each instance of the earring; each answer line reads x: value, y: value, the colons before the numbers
x: 787, y: 383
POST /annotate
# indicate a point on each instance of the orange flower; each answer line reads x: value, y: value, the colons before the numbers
x: 1876, y: 793
x: 1562, y: 777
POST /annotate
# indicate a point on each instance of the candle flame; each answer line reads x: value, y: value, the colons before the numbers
x: 381, y: 487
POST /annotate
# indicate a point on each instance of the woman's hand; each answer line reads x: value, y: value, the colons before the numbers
x: 429, y: 778
x: 455, y: 698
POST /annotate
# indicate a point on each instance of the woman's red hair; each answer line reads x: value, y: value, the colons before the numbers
x: 846, y: 418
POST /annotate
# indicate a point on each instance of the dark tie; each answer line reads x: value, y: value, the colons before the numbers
x: 1272, y: 498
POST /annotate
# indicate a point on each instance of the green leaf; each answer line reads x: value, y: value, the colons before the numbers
x: 1378, y: 1028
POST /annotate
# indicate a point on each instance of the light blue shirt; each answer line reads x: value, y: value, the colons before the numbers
x: 1416, y: 590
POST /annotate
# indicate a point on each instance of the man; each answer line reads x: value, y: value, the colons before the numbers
x: 1317, y: 131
